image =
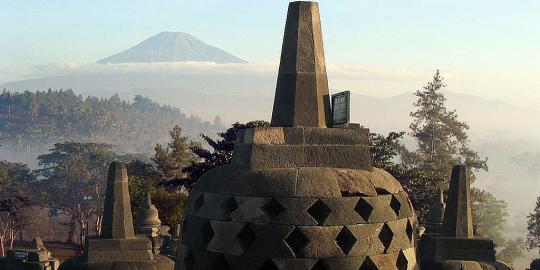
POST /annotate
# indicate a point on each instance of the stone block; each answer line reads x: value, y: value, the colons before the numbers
x: 342, y: 211
x: 317, y: 182
x: 367, y: 242
x: 226, y: 239
x: 321, y: 242
x: 355, y: 182
x: 269, y: 241
x: 384, y: 182
x: 250, y: 209
x: 196, y: 232
x: 401, y: 238
x: 335, y: 136
x: 294, y: 211
x: 381, y: 209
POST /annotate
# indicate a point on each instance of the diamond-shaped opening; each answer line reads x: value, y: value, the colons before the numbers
x: 364, y: 209
x: 296, y: 240
x: 272, y: 208
x: 246, y: 237
x: 199, y: 202
x: 382, y: 191
x: 229, y: 205
x: 386, y: 235
x: 206, y: 233
x: 321, y: 265
x: 368, y: 265
x: 319, y: 211
x: 396, y: 205
x: 402, y: 262
x: 409, y: 230
x: 269, y: 265
x: 189, y: 260
x: 345, y: 240
x: 220, y: 264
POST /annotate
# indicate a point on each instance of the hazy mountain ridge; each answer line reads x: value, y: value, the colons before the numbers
x: 172, y: 47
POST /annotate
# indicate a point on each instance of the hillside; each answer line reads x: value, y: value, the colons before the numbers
x: 32, y: 122
x: 172, y: 47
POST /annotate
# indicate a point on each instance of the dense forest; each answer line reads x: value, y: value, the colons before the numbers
x: 31, y: 122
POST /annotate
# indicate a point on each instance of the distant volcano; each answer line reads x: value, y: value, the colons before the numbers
x: 172, y: 47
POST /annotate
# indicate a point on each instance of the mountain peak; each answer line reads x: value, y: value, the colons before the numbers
x: 172, y: 47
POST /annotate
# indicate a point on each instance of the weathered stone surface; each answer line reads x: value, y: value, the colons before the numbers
x: 436, y: 248
x: 37, y: 243
x: 118, y: 248
x: 302, y: 89
x: 458, y: 212
x: 435, y: 217
x: 147, y: 220
x: 117, y: 220
x: 299, y: 195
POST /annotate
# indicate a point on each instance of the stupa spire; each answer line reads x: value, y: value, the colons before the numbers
x: 301, y: 98
x: 458, y: 213
x: 117, y: 220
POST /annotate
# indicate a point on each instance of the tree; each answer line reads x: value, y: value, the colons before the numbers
x: 15, y: 180
x: 533, y: 227
x: 489, y: 221
x: 222, y: 150
x: 512, y: 250
x: 489, y: 216
x: 420, y: 185
x: 75, y: 179
x: 171, y: 160
x: 170, y: 200
x: 441, y: 137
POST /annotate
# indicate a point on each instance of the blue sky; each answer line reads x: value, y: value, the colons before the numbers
x: 491, y: 48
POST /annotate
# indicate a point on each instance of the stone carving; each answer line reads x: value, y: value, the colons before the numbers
x: 456, y: 247
x: 35, y: 258
x: 117, y: 247
x: 299, y: 195
x: 435, y: 217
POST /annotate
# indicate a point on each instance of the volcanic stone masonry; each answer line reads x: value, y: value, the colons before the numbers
x: 455, y: 247
x: 118, y: 248
x: 300, y: 194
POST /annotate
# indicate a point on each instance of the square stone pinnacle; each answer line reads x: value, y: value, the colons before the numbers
x: 302, y: 98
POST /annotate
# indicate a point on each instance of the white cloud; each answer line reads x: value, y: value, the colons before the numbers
x: 345, y: 72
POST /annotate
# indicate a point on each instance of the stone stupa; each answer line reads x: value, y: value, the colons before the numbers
x: 435, y: 218
x: 456, y: 247
x: 300, y: 194
x: 117, y: 248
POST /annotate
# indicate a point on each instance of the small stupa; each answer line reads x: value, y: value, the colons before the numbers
x: 435, y: 218
x: 456, y: 247
x: 147, y: 218
x: 301, y: 194
x: 117, y: 248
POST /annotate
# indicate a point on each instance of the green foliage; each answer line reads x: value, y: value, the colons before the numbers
x: 75, y: 178
x: 16, y: 181
x: 34, y: 121
x: 533, y: 227
x: 512, y: 250
x: 171, y: 160
x: 442, y: 139
x: 385, y: 152
x: 170, y: 201
x: 489, y: 216
x: 222, y: 150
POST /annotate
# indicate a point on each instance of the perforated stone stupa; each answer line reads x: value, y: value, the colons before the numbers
x: 117, y: 248
x: 299, y: 195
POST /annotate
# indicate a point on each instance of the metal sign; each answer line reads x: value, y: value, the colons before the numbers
x: 341, y: 108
